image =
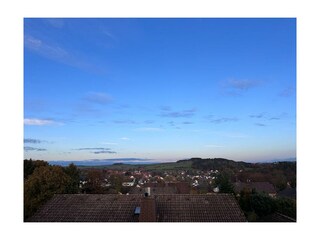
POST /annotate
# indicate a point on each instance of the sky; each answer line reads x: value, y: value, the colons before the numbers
x: 159, y: 89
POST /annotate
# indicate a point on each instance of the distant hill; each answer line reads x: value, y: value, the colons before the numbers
x: 102, y: 162
x: 192, y: 163
x: 215, y: 163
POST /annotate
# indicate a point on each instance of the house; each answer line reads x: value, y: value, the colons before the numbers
x: 140, y: 208
x: 129, y: 184
x: 260, y: 187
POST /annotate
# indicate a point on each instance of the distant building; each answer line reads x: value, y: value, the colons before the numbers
x: 140, y: 208
x: 129, y: 184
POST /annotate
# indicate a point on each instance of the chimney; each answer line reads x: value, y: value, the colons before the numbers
x: 147, y: 192
x: 148, y: 208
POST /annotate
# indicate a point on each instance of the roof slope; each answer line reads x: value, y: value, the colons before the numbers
x: 198, y: 208
x: 120, y: 208
x: 88, y: 208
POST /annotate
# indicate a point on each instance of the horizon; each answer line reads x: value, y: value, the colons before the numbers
x: 139, y: 161
x: 159, y: 89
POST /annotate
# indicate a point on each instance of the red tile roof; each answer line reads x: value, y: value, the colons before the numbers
x: 121, y: 208
x: 198, y: 208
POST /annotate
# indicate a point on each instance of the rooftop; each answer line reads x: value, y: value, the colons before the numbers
x: 122, y: 208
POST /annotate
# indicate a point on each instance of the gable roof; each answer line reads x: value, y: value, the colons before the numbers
x: 88, y: 208
x: 198, y: 208
x: 121, y: 208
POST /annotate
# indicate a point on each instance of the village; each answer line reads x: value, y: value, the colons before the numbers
x: 169, y: 182
x: 183, y: 191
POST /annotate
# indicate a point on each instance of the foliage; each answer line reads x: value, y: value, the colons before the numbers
x: 41, y: 185
x: 258, y: 205
x: 30, y: 165
x: 287, y: 207
x: 216, y: 163
x: 262, y: 204
x: 94, y: 180
x: 74, y: 173
x: 224, y: 183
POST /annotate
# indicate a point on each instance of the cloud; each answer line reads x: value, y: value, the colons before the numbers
x: 287, y: 92
x: 241, y: 85
x: 56, y: 22
x: 260, y: 115
x: 187, y: 122
x: 125, y: 139
x: 274, y: 118
x: 279, y: 116
x: 44, y: 49
x: 89, y: 149
x: 124, y: 122
x: 260, y: 124
x: 27, y: 148
x: 98, y: 98
x: 31, y: 140
x: 109, y: 34
x: 56, y: 53
x: 100, y: 152
x: 216, y: 120
x: 96, y: 150
x: 38, y: 122
x: 178, y: 114
x: 149, y: 121
x: 165, y: 108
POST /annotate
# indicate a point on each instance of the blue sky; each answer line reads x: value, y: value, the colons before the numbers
x: 159, y: 89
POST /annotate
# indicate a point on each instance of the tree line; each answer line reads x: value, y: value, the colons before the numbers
x: 42, y: 181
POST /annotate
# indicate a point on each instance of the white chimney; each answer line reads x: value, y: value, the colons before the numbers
x: 147, y: 191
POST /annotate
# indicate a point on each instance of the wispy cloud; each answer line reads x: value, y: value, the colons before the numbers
x: 241, y: 85
x: 98, y: 98
x: 187, y: 122
x: 217, y: 120
x: 56, y: 22
x: 39, y: 122
x: 149, y: 121
x: 125, y: 138
x: 260, y: 115
x: 89, y: 149
x: 96, y: 150
x: 274, y: 118
x: 109, y: 34
x: 287, y: 92
x: 125, y: 122
x: 27, y: 148
x: 44, y: 49
x: 101, y: 152
x: 260, y: 124
x: 167, y: 112
x: 237, y: 87
x: 33, y: 141
x: 57, y: 53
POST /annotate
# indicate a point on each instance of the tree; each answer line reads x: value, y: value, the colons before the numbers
x: 224, y: 183
x: 262, y: 204
x: 30, y: 165
x: 287, y: 207
x: 73, y: 172
x: 94, y: 180
x: 41, y: 185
